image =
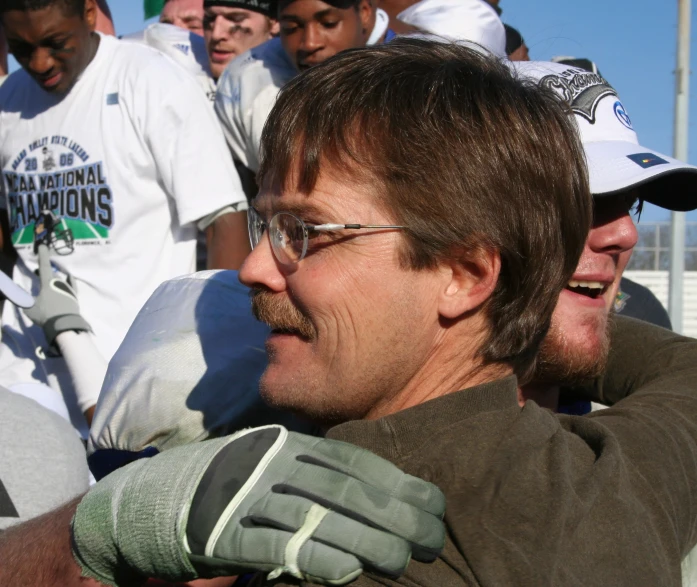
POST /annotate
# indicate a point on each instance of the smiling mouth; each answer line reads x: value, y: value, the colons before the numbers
x: 590, y: 289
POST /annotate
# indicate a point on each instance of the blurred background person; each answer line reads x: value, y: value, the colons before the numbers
x: 185, y: 14
x: 516, y: 49
x: 232, y: 27
x: 105, y: 22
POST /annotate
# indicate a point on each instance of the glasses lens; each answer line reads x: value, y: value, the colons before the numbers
x: 255, y: 225
x: 288, y: 238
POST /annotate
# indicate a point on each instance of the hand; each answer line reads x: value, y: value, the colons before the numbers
x: 56, y: 309
x: 263, y: 499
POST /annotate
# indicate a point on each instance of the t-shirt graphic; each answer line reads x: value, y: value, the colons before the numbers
x: 56, y: 173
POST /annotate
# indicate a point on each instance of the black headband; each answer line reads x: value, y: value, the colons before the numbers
x: 342, y: 4
x: 265, y: 7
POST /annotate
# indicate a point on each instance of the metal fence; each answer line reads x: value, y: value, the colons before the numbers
x: 652, y: 252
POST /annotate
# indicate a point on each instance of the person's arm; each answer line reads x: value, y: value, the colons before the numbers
x: 643, y: 358
x: 57, y: 311
x: 191, y: 156
x: 651, y: 384
x: 228, y: 241
x: 38, y: 552
x: 87, y: 368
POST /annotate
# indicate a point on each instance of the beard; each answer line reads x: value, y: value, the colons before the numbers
x: 565, y: 362
x: 280, y: 314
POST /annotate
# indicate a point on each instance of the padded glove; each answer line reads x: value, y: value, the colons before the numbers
x: 263, y: 499
x: 56, y: 309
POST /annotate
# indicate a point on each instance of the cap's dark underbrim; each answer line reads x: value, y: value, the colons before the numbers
x: 673, y: 189
x: 664, y: 182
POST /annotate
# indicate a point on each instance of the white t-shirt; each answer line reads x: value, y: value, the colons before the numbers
x: 248, y: 88
x: 130, y: 158
x: 246, y: 94
x: 185, y: 48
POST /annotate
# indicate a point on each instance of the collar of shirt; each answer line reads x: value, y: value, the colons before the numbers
x: 397, y: 435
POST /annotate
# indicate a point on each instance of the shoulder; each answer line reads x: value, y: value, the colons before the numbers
x: 638, y: 301
x: 185, y: 48
x: 146, y: 75
x: 44, y: 462
x: 15, y: 87
x: 18, y: 412
x: 136, y: 61
x: 264, y: 66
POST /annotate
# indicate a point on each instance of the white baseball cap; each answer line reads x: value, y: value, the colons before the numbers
x: 13, y: 292
x: 459, y: 20
x: 616, y: 160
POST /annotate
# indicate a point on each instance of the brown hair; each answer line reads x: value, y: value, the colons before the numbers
x: 463, y: 154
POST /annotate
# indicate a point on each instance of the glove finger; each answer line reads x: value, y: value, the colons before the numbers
x: 380, y: 550
x: 373, y: 470
x: 367, y: 504
x: 264, y: 549
x: 45, y: 269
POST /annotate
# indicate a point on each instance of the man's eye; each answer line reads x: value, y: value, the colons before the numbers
x: 57, y: 45
x: 289, y: 28
x: 208, y: 22
x: 330, y: 24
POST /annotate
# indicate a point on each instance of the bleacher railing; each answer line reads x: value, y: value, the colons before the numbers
x: 652, y: 252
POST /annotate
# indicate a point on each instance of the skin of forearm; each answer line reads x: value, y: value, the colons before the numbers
x: 38, y: 552
x: 228, y: 241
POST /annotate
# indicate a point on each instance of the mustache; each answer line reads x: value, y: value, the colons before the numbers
x: 280, y: 314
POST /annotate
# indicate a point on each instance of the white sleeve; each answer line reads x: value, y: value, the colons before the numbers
x: 242, y: 112
x: 86, y: 365
x: 186, y: 142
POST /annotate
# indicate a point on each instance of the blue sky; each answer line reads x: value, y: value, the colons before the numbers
x: 633, y: 43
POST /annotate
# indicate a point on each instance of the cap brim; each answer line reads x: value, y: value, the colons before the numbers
x: 14, y: 293
x: 616, y: 166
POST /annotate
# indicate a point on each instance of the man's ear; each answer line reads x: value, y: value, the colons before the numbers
x: 469, y: 282
x: 366, y: 14
x: 274, y: 27
x: 90, y: 14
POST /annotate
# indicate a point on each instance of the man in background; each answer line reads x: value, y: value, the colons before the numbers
x: 311, y: 31
x: 232, y: 27
x: 516, y: 49
x: 623, y: 174
x: 186, y: 14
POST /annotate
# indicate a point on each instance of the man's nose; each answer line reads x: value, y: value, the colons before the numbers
x: 614, y: 235
x: 260, y: 268
x: 221, y: 28
x: 312, y: 40
x: 41, y: 61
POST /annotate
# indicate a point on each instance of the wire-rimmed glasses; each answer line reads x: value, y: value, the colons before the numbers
x: 289, y: 235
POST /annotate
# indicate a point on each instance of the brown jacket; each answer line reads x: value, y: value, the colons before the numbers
x: 539, y: 499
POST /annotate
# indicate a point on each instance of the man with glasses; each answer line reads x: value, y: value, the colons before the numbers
x: 393, y: 303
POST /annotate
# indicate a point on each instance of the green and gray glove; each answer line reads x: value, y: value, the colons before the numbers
x: 56, y: 309
x: 263, y: 499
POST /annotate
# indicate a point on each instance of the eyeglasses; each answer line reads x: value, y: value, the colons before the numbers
x: 289, y: 235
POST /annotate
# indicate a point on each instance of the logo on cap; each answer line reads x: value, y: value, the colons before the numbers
x: 647, y: 160
x: 583, y: 90
x: 622, y: 115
